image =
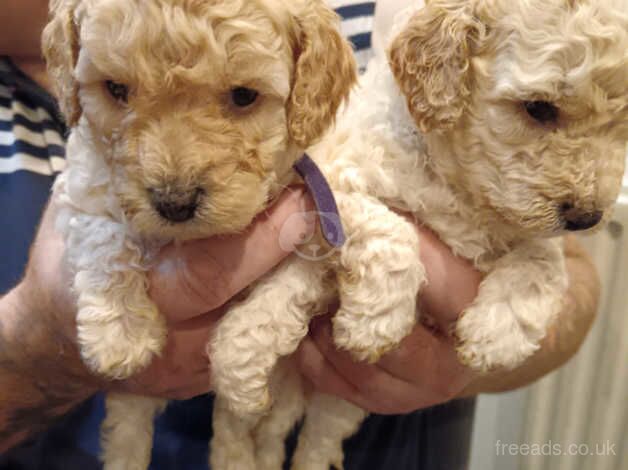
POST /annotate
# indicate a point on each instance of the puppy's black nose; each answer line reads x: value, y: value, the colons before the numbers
x: 175, y: 207
x: 576, y: 219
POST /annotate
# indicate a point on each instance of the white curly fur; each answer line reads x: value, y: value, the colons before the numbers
x: 177, y: 133
x: 443, y: 134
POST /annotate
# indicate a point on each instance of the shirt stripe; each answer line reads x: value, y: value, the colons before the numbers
x: 361, y: 24
x: 357, y: 25
x: 356, y: 10
x: 30, y: 139
x: 23, y: 161
x: 21, y: 132
x: 34, y: 126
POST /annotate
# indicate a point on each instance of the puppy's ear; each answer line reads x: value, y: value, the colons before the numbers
x: 430, y: 60
x: 60, y: 47
x: 325, y: 73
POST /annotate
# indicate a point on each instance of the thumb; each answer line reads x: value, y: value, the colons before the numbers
x: 193, y: 278
x: 453, y: 282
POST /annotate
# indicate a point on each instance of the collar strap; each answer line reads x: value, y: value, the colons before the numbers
x: 326, y: 207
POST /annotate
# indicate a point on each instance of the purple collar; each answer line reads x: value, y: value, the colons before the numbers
x: 326, y: 207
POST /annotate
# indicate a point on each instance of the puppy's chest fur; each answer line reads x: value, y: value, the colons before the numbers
x: 377, y: 150
x: 87, y: 191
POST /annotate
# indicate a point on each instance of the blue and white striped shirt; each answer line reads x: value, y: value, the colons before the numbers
x: 30, y: 137
x: 357, y: 25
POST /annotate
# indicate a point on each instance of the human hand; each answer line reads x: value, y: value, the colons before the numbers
x: 189, y: 284
x: 424, y: 369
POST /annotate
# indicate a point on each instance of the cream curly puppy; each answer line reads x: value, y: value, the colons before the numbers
x: 498, y: 124
x: 186, y: 118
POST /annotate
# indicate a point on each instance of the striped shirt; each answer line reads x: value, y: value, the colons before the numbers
x: 30, y: 138
x: 357, y: 25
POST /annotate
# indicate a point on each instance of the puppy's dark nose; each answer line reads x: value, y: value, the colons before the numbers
x: 175, y: 207
x: 576, y: 219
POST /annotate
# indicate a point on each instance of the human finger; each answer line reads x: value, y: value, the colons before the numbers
x: 199, y: 276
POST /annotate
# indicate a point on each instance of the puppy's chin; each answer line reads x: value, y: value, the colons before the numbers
x: 555, y: 230
x: 517, y: 225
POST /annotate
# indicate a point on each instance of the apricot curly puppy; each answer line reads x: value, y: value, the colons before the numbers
x: 186, y: 118
x: 500, y: 125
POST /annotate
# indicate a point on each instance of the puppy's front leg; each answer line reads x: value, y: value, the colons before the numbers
x: 266, y: 326
x: 232, y: 446
x: 515, y: 305
x: 119, y: 327
x: 127, y: 431
x: 379, y: 278
x: 328, y: 422
x: 290, y: 401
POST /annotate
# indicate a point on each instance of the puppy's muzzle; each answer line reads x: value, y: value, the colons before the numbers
x: 577, y: 219
x: 175, y: 206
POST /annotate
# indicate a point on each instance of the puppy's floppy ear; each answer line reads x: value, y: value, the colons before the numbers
x: 430, y: 60
x: 60, y: 47
x: 325, y: 73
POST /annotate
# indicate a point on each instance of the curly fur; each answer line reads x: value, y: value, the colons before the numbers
x: 177, y: 133
x: 442, y: 132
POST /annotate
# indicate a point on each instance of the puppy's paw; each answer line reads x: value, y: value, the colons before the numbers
x: 486, y: 341
x: 369, y: 338
x: 122, y: 346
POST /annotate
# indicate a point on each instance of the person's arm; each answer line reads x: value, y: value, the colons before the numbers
x: 566, y: 334
x: 425, y: 370
x: 36, y: 372
x: 41, y: 373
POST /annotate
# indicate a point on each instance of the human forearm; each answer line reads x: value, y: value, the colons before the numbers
x: 424, y: 370
x: 566, y: 334
x: 40, y: 371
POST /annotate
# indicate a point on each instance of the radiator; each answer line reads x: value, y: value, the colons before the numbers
x: 577, y: 417
x: 586, y: 403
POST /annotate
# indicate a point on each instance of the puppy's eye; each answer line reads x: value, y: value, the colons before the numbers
x: 541, y: 111
x: 118, y: 91
x: 243, y: 97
